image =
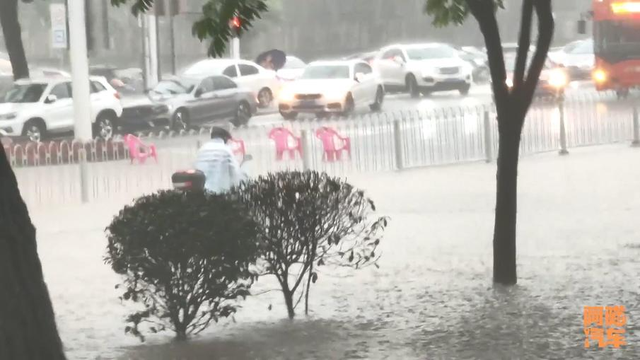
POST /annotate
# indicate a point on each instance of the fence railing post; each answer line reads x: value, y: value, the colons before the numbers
x: 563, y: 130
x: 397, y: 144
x: 488, y: 137
x: 84, y: 176
x: 636, y: 128
x: 305, y: 149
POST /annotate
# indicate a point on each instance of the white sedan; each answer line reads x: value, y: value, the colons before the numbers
x: 332, y: 87
x: 262, y: 82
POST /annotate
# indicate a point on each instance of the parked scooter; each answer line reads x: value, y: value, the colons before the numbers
x: 193, y: 179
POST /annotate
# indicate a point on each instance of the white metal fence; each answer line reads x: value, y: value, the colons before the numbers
x: 379, y: 142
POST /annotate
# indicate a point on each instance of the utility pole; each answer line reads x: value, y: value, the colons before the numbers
x: 149, y: 50
x: 170, y: 13
x: 158, y: 53
x: 153, y: 53
x: 236, y: 48
x: 79, y: 70
x: 236, y: 27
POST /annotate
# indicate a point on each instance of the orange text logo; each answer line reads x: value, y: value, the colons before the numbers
x: 604, y: 326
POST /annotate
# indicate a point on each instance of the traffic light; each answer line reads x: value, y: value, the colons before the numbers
x: 236, y: 26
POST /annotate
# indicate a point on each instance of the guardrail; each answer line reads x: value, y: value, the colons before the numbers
x: 376, y: 142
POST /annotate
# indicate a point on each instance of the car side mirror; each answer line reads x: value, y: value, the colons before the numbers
x: 198, y: 93
x: 582, y: 27
x: 359, y: 77
x: 51, y: 99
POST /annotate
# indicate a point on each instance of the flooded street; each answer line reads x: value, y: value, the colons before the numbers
x: 431, y: 298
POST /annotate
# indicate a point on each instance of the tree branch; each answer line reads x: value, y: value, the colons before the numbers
x: 484, y: 12
x: 524, y: 43
x: 546, y: 26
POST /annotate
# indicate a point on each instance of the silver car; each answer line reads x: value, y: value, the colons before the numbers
x: 197, y: 100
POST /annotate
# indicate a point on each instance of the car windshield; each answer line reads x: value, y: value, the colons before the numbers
x: 326, y: 72
x: 294, y: 63
x: 24, y: 93
x: 208, y: 67
x: 582, y: 48
x: 174, y: 87
x: 431, y: 52
x: 510, y: 63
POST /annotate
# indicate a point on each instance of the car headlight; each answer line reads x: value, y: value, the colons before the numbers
x: 600, y: 76
x: 286, y: 95
x: 558, y: 79
x: 8, y: 116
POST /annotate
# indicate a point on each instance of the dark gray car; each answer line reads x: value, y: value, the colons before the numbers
x: 201, y: 100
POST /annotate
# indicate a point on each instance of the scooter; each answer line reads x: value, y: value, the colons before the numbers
x: 193, y: 179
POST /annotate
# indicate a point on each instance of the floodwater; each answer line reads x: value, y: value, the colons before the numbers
x: 431, y: 298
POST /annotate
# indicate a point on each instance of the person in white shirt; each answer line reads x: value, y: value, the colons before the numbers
x: 218, y: 163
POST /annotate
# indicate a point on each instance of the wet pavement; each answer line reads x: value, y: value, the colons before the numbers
x: 431, y: 298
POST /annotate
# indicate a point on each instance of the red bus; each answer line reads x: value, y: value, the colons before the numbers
x: 616, y: 35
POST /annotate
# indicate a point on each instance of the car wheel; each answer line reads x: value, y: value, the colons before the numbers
x: 243, y: 114
x: 377, y: 105
x: 265, y: 97
x: 104, y: 126
x: 349, y: 106
x: 180, y: 120
x: 464, y: 91
x: 34, y: 130
x: 412, y: 86
x: 289, y: 115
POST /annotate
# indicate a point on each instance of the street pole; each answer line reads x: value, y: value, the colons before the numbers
x: 235, y: 47
x: 79, y: 71
x: 153, y: 54
x: 172, y: 36
x: 636, y: 128
x: 158, y: 53
x: 563, y: 130
x: 80, y: 86
x: 145, y: 62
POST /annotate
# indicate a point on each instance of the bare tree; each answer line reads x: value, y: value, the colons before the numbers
x: 512, y: 105
x: 310, y: 220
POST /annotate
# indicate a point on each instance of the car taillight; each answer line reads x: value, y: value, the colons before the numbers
x: 117, y: 95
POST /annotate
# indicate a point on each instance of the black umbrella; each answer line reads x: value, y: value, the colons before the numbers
x: 272, y: 59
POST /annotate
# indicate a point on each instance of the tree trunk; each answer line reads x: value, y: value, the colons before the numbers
x: 27, y: 322
x: 181, y: 334
x: 13, y: 38
x: 288, y: 300
x: 504, y: 235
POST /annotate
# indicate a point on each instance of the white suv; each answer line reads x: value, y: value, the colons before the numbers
x: 423, y: 68
x: 35, y: 108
